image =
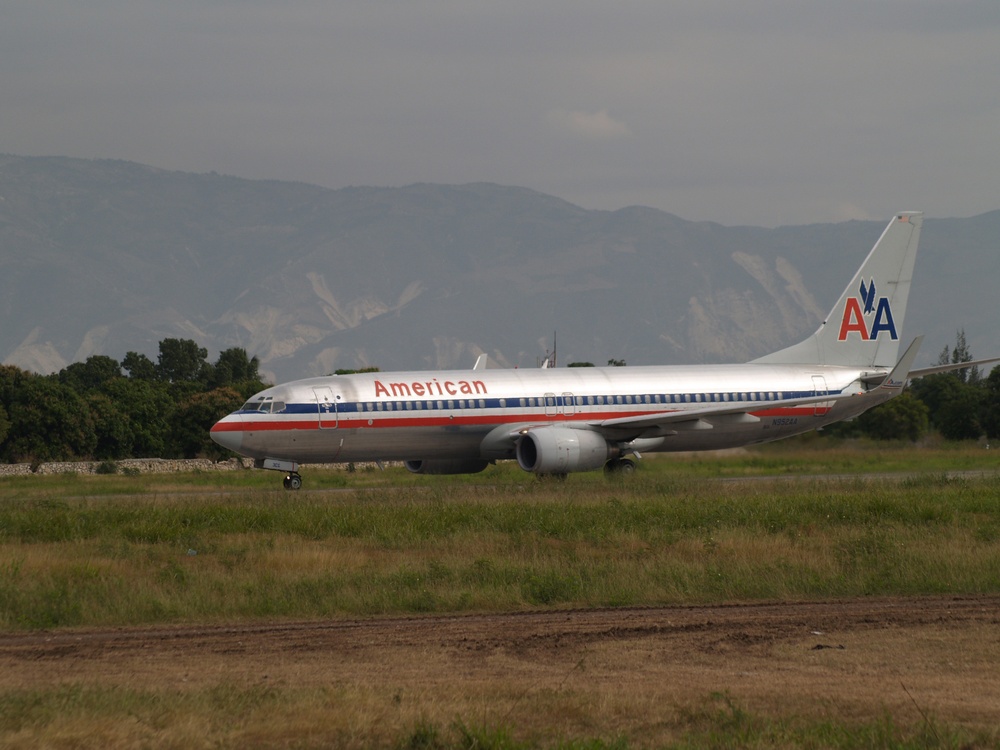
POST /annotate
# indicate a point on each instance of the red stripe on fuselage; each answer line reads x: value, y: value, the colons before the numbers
x: 383, y: 421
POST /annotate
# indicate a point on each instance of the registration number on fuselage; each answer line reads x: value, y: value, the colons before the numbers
x: 784, y: 421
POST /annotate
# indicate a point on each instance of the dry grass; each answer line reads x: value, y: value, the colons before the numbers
x: 646, y: 692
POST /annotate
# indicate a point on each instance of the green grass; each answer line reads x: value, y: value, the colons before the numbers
x: 115, y: 550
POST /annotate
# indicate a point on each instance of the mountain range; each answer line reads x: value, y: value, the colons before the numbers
x: 106, y: 257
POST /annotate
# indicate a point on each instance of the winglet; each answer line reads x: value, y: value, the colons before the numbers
x: 900, y: 373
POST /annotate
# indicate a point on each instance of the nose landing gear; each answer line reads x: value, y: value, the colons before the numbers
x: 293, y: 480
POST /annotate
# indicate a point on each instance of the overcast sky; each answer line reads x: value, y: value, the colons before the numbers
x: 760, y: 112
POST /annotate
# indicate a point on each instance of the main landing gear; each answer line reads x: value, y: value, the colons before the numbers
x: 619, y: 467
x: 293, y: 481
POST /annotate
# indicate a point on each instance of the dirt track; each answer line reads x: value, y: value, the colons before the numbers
x: 912, y: 657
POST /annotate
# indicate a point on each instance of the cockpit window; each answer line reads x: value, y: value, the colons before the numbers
x: 262, y: 405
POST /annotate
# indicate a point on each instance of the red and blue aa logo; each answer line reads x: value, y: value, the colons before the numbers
x: 856, y: 317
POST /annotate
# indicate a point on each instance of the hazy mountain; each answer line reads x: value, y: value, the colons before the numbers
x: 103, y: 257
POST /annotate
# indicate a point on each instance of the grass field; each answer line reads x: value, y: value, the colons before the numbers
x: 111, y: 551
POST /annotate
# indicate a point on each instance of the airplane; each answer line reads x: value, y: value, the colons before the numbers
x: 554, y: 421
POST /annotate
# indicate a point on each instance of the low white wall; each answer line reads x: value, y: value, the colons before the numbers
x: 152, y: 466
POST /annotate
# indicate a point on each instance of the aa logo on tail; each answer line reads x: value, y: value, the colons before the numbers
x: 858, y: 310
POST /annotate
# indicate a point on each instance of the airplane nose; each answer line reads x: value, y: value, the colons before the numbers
x: 228, y: 432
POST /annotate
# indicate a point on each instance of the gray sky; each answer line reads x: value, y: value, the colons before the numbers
x: 766, y: 112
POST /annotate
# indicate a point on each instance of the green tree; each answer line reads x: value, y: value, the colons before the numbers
x: 959, y: 354
x: 936, y: 391
x: 90, y: 375
x: 49, y: 422
x: 148, y: 407
x: 139, y: 366
x: 953, y: 406
x: 194, y: 418
x: 113, y: 428
x: 902, y: 418
x: 238, y: 371
x: 234, y: 366
x: 182, y: 360
x: 990, y: 419
x: 4, y: 426
x: 11, y: 378
x: 960, y: 417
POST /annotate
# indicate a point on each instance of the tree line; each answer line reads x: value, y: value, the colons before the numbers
x: 104, y: 409
x: 960, y: 405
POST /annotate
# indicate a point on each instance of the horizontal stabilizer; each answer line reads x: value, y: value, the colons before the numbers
x: 952, y: 367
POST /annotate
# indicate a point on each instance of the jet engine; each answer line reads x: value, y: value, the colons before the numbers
x: 559, y: 450
x: 447, y: 466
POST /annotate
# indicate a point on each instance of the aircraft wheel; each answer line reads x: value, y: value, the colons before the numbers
x: 619, y: 467
x: 293, y: 482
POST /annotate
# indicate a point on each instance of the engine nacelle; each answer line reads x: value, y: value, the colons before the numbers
x: 559, y: 450
x: 447, y: 466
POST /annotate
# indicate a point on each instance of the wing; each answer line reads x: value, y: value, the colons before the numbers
x: 702, y: 418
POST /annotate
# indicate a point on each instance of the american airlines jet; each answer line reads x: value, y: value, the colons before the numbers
x: 560, y: 420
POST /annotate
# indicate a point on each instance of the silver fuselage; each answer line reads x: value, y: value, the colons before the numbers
x: 473, y: 414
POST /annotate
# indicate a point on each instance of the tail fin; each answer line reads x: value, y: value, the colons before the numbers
x: 864, y: 326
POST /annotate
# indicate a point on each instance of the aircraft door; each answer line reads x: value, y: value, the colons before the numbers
x: 551, y: 405
x: 326, y: 405
x: 568, y: 404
